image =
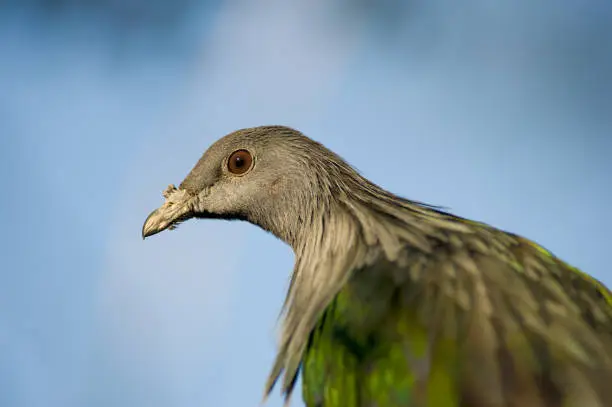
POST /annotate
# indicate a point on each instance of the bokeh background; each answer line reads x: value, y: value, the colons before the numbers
x: 501, y: 111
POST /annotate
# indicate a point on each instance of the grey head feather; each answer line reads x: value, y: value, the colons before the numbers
x: 335, y: 220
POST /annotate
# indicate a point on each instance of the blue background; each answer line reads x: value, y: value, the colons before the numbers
x: 501, y: 111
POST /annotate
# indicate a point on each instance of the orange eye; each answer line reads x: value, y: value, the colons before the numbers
x: 239, y: 162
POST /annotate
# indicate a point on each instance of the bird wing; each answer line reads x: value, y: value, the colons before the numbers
x: 463, y: 327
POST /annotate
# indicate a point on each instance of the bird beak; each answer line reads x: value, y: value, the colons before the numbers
x: 176, y: 209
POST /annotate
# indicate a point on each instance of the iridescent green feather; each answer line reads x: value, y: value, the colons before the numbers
x: 343, y: 367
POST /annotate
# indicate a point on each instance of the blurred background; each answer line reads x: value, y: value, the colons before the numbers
x: 500, y: 111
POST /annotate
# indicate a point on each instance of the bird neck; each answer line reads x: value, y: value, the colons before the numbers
x: 360, y: 214
x: 353, y: 230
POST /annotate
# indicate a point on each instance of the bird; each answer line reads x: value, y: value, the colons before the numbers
x: 394, y: 302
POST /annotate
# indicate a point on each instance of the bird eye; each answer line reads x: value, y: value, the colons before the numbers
x: 239, y: 162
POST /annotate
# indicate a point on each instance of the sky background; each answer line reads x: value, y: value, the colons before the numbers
x: 500, y: 111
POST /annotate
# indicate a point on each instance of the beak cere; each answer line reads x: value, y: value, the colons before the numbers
x: 177, y: 208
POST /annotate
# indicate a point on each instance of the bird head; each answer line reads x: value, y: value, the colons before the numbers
x: 272, y: 176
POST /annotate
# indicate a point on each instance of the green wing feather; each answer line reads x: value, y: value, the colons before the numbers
x: 477, y: 323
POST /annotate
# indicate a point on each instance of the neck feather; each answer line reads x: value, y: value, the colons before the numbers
x: 358, y: 224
